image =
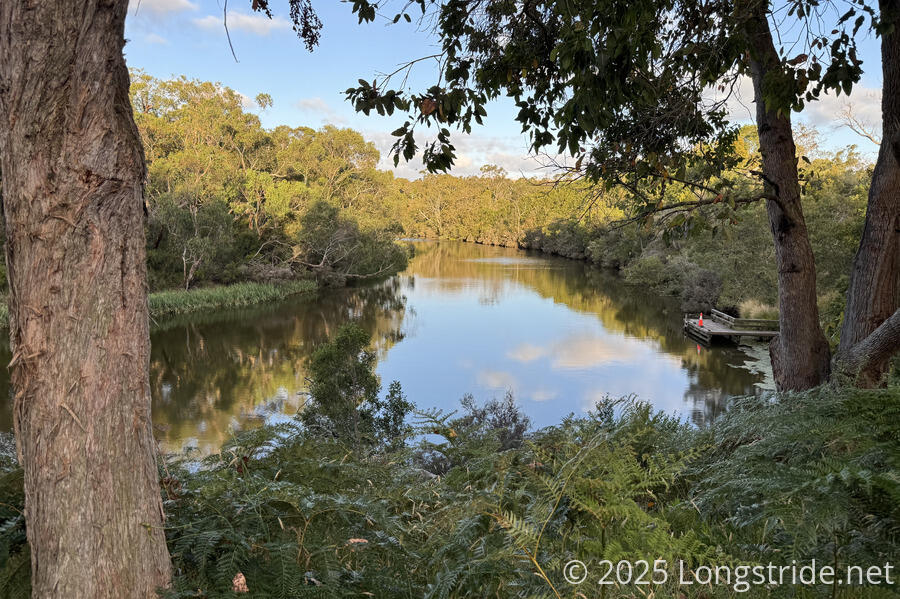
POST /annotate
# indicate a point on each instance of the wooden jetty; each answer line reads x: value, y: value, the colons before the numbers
x: 719, y: 324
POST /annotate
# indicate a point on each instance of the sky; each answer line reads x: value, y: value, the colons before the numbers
x: 168, y: 38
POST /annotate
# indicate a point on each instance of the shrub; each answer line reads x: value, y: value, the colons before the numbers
x: 700, y: 289
x: 806, y: 475
x: 791, y: 477
x: 344, y: 402
x: 649, y: 271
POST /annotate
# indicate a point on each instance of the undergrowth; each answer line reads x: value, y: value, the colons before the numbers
x: 475, y: 505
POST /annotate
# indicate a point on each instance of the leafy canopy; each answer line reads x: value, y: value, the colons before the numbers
x: 636, y: 90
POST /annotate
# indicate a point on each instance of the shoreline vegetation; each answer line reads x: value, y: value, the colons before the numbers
x: 127, y: 196
x: 175, y: 302
x: 289, y: 203
x: 364, y: 495
x: 238, y: 295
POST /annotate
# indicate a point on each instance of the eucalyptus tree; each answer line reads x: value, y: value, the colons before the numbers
x: 637, y: 93
x: 73, y: 173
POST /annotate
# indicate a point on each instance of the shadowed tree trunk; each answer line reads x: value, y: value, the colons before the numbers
x: 874, y: 291
x: 72, y: 202
x: 800, y: 354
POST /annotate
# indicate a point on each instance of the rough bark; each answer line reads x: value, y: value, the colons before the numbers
x: 875, y: 348
x: 800, y: 353
x: 72, y: 202
x: 874, y: 291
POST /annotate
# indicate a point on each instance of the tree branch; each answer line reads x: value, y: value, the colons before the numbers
x: 879, y: 346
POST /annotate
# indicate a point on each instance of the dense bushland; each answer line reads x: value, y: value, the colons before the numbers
x: 709, y: 263
x: 347, y: 501
x: 230, y: 201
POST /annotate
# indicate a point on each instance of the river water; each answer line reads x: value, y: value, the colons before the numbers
x: 462, y: 318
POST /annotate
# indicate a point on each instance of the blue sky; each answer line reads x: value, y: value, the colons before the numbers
x: 186, y: 37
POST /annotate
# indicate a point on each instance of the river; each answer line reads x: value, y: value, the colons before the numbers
x: 462, y: 318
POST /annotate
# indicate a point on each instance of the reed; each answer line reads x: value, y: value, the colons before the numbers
x: 170, y: 303
x: 239, y: 295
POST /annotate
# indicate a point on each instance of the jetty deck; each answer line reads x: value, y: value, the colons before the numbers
x: 718, y: 324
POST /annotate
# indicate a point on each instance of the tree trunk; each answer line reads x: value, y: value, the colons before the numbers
x: 72, y: 202
x: 874, y: 291
x: 800, y: 353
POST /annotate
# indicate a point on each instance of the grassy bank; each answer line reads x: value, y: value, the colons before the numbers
x: 170, y: 303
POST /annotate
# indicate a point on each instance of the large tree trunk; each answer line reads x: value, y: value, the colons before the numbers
x: 800, y: 354
x: 72, y: 187
x: 874, y: 291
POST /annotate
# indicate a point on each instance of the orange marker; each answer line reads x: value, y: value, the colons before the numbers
x: 701, y: 319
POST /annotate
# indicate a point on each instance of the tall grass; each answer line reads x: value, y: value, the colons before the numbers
x: 171, y: 303
x: 752, y: 308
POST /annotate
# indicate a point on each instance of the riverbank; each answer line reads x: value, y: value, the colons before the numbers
x: 289, y: 512
x: 164, y: 304
x: 701, y: 283
x: 239, y: 295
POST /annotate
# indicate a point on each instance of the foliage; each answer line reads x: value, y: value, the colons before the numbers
x: 625, y: 88
x: 344, y: 400
x: 334, y: 246
x: 169, y: 303
x: 229, y: 201
x: 791, y: 477
x: 814, y: 475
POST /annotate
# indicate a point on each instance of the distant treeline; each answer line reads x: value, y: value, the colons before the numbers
x: 230, y: 201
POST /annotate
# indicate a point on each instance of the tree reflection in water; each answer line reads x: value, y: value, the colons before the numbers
x: 462, y: 318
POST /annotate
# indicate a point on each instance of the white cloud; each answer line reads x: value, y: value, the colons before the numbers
x: 319, y: 108
x: 152, y: 38
x: 472, y: 152
x: 256, y: 24
x: 247, y: 103
x: 865, y: 102
x: 738, y: 98
x: 584, y: 353
x: 208, y: 22
x: 159, y: 7
x: 544, y: 395
x: 826, y: 112
x: 313, y: 105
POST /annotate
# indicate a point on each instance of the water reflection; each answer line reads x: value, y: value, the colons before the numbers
x: 559, y: 333
x: 462, y: 318
x: 212, y: 376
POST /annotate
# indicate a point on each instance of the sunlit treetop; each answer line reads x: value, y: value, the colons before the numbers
x: 633, y: 91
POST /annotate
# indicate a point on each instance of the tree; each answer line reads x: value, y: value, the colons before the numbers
x: 344, y: 400
x: 636, y: 93
x: 334, y: 247
x: 73, y: 173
